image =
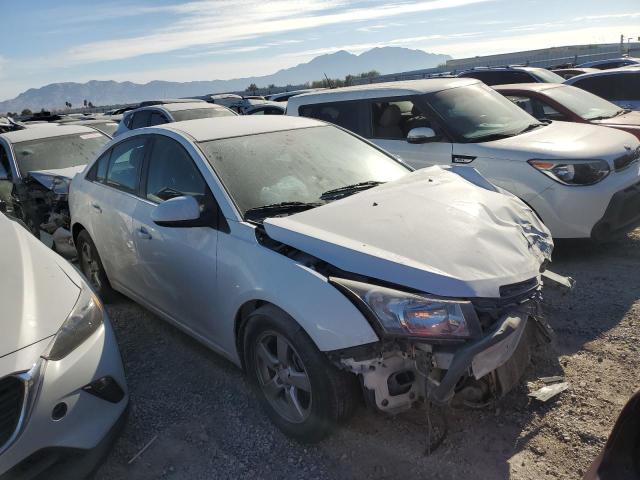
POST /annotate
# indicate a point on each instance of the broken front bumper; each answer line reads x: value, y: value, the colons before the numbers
x: 505, y: 350
x: 398, y: 375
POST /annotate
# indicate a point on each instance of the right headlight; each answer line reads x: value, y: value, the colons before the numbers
x: 403, y: 313
x: 85, y: 318
x: 573, y: 172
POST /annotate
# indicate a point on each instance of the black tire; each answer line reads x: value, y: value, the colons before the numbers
x: 333, y: 393
x: 92, y: 268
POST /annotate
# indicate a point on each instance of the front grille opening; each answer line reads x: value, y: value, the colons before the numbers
x: 11, y: 398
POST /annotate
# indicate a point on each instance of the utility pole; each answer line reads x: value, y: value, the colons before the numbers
x: 621, y: 44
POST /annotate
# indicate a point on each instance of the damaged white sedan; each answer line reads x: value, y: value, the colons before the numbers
x: 311, y: 258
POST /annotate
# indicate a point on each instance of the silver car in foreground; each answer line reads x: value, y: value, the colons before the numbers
x: 311, y: 258
x: 62, y: 388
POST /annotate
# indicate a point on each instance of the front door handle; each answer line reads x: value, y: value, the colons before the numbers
x: 143, y: 233
x: 96, y: 207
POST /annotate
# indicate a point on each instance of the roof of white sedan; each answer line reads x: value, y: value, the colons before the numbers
x: 395, y: 89
x: 206, y: 129
x: 176, y: 107
x: 45, y: 130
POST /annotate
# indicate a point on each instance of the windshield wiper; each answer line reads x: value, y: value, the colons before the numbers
x: 277, y: 209
x: 347, y: 190
x: 617, y: 114
x: 531, y: 126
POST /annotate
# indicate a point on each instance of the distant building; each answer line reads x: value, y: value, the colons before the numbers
x: 547, y: 57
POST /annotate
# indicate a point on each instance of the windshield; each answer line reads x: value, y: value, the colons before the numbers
x: 477, y: 112
x: 196, y: 113
x: 583, y: 103
x: 296, y: 165
x: 58, y: 152
x: 547, y: 76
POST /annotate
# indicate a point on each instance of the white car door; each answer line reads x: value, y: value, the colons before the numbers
x: 112, y: 194
x: 392, y: 120
x: 177, y: 265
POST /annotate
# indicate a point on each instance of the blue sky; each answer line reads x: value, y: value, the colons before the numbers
x: 48, y: 41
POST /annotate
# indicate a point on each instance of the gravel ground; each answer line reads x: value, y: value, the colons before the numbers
x: 209, y: 425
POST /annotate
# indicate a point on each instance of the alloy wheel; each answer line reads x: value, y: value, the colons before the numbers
x: 90, y: 265
x: 283, y: 377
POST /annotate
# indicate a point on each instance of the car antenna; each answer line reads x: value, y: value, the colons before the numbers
x: 331, y: 85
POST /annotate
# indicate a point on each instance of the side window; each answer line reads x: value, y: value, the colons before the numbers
x: 157, y: 118
x: 272, y: 111
x: 545, y: 111
x: 5, y: 168
x: 598, y: 85
x: 349, y: 115
x: 394, y: 118
x: 258, y: 112
x: 125, y: 163
x: 172, y: 173
x: 523, y: 102
x: 98, y: 172
x: 140, y: 119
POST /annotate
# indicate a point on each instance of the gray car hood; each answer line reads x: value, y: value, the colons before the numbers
x: 46, y: 177
x: 430, y: 230
x: 36, y: 292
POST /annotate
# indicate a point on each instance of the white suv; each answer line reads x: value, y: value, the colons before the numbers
x: 582, y: 180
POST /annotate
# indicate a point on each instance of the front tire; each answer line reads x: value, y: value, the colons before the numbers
x: 91, y: 266
x: 303, y: 394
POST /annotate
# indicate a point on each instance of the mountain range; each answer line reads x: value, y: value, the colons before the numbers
x: 335, y: 65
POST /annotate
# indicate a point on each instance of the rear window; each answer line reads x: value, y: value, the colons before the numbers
x: 196, y: 113
x: 58, y: 152
x: 499, y: 77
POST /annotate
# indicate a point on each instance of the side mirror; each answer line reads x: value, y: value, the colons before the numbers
x: 178, y: 212
x: 421, y: 135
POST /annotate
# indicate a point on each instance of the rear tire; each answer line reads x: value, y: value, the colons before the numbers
x: 303, y: 393
x: 91, y: 267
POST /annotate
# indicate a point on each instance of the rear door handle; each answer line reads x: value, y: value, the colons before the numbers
x: 143, y: 233
x: 96, y: 207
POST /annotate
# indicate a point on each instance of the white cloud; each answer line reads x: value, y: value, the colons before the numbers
x: 502, y: 44
x: 224, y: 21
x: 607, y: 17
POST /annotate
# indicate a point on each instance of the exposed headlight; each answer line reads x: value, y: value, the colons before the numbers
x: 60, y: 185
x: 573, y: 172
x: 85, y: 318
x: 402, y: 313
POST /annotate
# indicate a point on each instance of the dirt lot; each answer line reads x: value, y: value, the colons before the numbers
x: 209, y: 425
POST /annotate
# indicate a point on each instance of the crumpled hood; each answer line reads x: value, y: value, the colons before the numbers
x: 562, y: 140
x: 35, y: 292
x: 46, y: 177
x: 430, y: 230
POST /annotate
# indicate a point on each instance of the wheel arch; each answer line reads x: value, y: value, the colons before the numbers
x: 76, y: 228
x: 241, y: 320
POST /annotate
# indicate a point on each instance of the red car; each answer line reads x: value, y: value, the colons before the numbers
x: 555, y: 101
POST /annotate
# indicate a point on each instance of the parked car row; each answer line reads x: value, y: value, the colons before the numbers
x: 394, y: 243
